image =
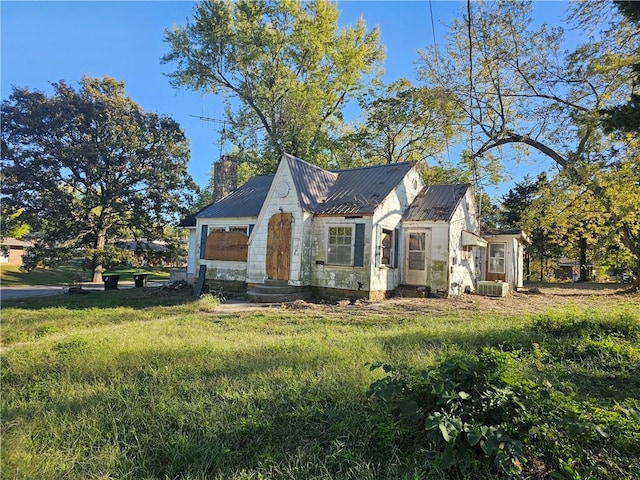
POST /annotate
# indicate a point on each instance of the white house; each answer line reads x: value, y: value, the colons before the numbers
x: 359, y: 232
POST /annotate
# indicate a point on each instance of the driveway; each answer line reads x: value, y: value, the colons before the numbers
x: 26, y: 291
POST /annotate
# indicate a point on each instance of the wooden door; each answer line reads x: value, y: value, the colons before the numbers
x: 417, y: 245
x: 279, y: 246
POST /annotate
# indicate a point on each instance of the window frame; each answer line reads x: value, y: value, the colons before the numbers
x: 391, y: 247
x: 351, y: 244
x: 492, y: 258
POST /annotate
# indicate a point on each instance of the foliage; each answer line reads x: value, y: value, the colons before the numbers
x: 285, y: 67
x: 466, y: 406
x: 550, y: 103
x: 89, y: 166
x: 403, y: 123
x: 12, y: 225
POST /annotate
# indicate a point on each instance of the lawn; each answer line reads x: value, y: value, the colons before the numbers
x: 72, y: 273
x: 148, y: 383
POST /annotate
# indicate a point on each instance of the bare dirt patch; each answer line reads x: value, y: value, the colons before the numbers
x: 534, y: 299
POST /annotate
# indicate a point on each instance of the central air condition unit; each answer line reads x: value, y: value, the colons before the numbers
x: 493, y: 289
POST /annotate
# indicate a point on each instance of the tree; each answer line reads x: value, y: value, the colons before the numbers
x: 518, y: 89
x: 285, y: 67
x: 403, y: 123
x: 89, y: 166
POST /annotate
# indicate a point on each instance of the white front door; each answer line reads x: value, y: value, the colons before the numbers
x: 416, y: 261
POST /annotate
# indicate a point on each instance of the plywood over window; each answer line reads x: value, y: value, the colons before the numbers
x: 229, y: 246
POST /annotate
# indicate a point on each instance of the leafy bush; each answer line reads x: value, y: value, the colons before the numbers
x: 468, y: 405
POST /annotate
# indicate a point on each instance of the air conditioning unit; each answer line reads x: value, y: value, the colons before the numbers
x: 493, y: 289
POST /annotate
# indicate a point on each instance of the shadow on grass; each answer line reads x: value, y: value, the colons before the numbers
x: 212, y: 415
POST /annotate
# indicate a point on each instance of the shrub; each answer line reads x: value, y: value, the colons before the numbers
x: 467, y: 406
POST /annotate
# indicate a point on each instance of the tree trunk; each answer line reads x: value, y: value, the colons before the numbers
x: 97, y: 261
x: 584, y: 267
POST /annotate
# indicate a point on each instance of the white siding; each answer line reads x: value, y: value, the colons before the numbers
x: 388, y: 215
x: 285, y: 200
x: 514, y: 258
x: 191, y: 252
x: 347, y: 277
x: 463, y: 271
x: 447, y: 264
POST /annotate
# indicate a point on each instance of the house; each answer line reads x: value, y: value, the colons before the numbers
x: 12, y: 250
x: 504, y: 256
x: 359, y: 232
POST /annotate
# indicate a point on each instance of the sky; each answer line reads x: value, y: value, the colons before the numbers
x: 44, y: 42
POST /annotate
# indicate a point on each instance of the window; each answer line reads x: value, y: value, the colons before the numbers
x: 496, y: 257
x: 386, y: 248
x: 242, y: 229
x: 340, y: 246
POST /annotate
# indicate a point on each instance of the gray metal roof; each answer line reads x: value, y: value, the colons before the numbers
x: 246, y: 201
x: 359, y: 191
x: 312, y: 183
x: 356, y: 191
x: 436, y: 202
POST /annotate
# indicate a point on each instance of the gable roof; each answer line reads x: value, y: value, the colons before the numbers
x: 436, y: 202
x: 360, y: 190
x: 355, y: 191
x: 245, y: 201
x: 312, y: 182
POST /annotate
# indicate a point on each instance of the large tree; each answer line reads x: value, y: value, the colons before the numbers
x: 285, y: 67
x: 402, y: 123
x: 518, y: 88
x: 87, y: 166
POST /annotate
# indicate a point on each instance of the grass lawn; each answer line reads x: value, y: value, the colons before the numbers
x: 11, y: 275
x: 150, y: 384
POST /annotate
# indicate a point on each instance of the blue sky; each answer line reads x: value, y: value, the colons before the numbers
x: 45, y: 42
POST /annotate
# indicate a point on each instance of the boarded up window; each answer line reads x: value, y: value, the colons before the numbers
x: 229, y: 246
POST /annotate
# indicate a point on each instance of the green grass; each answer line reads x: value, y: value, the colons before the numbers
x: 141, y: 384
x: 11, y: 275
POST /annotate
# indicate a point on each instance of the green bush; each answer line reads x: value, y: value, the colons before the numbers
x: 468, y: 406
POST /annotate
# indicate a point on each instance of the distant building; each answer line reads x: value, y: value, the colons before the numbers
x: 12, y: 250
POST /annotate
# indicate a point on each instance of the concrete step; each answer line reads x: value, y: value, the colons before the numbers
x: 411, y: 291
x: 277, y: 292
x: 282, y: 289
x: 276, y: 283
x: 277, y: 297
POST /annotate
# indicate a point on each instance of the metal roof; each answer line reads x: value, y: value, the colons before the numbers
x: 312, y: 183
x: 436, y: 202
x: 359, y: 191
x: 356, y: 191
x: 246, y: 201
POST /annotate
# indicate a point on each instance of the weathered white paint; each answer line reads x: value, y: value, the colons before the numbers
x: 347, y: 277
x: 463, y: 272
x: 514, y: 258
x: 388, y: 216
x: 448, y: 271
x: 191, y: 253
x: 282, y: 197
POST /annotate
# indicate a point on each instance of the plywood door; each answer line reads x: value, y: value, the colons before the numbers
x: 417, y: 245
x: 279, y: 246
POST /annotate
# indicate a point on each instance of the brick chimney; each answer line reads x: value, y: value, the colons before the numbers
x: 225, y: 177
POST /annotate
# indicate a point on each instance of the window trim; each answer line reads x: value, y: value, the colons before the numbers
x: 392, y: 246
x: 503, y: 258
x: 351, y: 227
